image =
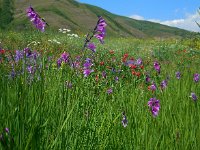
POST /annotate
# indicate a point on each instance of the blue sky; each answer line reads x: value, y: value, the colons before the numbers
x: 178, y: 13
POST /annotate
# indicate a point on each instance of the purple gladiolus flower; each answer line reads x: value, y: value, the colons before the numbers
x: 139, y: 61
x: 163, y: 84
x: 153, y: 87
x: 88, y: 60
x: 113, y: 70
x: 104, y: 74
x: 124, y: 120
x: 178, y: 75
x: 196, y: 77
x: 87, y: 72
x: 92, y: 47
x: 109, y: 91
x: 87, y: 65
x: 7, y: 130
x: 59, y: 62
x: 116, y: 79
x: 38, y: 22
x: 19, y: 55
x: 157, y: 66
x: 27, y: 51
x: 148, y: 78
x: 154, y: 106
x: 65, y: 56
x: 100, y: 29
x: 193, y: 96
x: 129, y: 62
x: 30, y: 69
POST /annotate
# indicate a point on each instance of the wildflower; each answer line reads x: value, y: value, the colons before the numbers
x: 130, y: 63
x: 109, y: 91
x: 178, y: 75
x: 13, y: 73
x: 30, y: 69
x: 2, y: 51
x: 148, y: 78
x: 152, y: 87
x: 142, y: 67
x: 163, y: 84
x: 196, y: 77
x: 133, y: 72
x: 157, y: 66
x: 101, y: 63
x: 92, y: 47
x: 18, y: 55
x: 139, y: 61
x: 97, y: 78
x: 124, y: 120
x: 59, y: 62
x: 35, y: 19
x: 7, y: 130
x: 154, y: 106
x: 113, y: 70
x: 116, y: 79
x: 104, y: 74
x: 138, y: 74
x: 193, y: 96
x: 132, y: 66
x: 100, y: 29
x: 125, y: 57
x: 88, y: 60
x: 87, y: 65
x: 87, y: 72
x: 65, y: 56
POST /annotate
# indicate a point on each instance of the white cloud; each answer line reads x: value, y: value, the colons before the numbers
x: 137, y: 17
x: 187, y: 23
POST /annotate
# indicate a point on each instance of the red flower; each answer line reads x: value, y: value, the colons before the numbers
x: 133, y: 72
x: 138, y: 74
x: 123, y: 59
x: 101, y: 63
x: 97, y: 78
x: 132, y: 66
x: 142, y: 67
x: 125, y: 55
x: 2, y: 51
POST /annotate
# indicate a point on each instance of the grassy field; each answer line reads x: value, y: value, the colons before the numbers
x: 45, y: 105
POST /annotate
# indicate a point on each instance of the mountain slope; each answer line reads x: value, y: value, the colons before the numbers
x: 82, y: 17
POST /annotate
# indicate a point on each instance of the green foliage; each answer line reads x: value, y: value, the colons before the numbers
x: 45, y: 114
x: 7, y: 12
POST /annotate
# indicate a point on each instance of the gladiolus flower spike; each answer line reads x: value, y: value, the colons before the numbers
x: 37, y: 21
x: 154, y: 106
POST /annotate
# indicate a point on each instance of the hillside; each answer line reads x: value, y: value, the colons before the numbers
x: 82, y: 17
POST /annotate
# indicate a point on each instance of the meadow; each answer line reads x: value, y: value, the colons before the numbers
x: 129, y: 94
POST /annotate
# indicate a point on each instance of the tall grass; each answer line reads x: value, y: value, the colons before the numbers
x: 42, y: 112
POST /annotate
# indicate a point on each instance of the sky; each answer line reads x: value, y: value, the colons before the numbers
x: 177, y: 13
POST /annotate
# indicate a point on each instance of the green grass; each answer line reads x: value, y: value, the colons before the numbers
x: 42, y: 113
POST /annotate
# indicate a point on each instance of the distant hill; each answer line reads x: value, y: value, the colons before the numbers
x: 82, y: 17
